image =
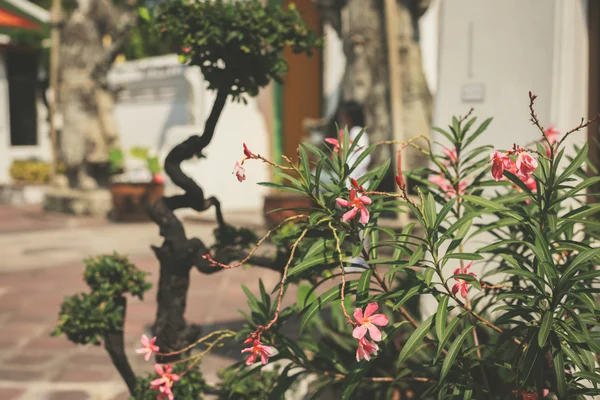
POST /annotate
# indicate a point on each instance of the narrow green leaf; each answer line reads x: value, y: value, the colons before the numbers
x: 478, y: 132
x: 545, y: 327
x: 430, y: 211
x: 463, y: 256
x: 415, y: 339
x: 449, y: 329
x: 581, y: 258
x: 559, y: 370
x: 362, y: 291
x: 326, y: 298
x: 440, y: 317
x: 453, y: 352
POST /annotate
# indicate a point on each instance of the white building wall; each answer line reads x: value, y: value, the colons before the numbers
x: 509, y: 48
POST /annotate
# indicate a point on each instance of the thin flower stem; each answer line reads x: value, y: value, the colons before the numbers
x: 283, y: 279
x: 224, y: 333
x: 260, y: 242
x: 201, y: 355
x: 341, y: 261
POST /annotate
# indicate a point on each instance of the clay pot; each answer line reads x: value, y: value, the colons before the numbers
x: 132, y: 200
x: 283, y: 200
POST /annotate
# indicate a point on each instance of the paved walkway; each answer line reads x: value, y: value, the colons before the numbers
x: 41, y: 263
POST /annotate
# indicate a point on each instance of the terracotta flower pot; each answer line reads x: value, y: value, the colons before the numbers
x: 132, y: 200
x: 283, y: 200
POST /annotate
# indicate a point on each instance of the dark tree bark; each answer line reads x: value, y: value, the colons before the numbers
x: 115, y: 346
x: 178, y: 255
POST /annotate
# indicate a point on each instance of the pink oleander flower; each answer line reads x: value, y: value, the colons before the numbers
x: 451, y: 154
x: 526, y: 164
x: 500, y: 162
x: 365, y: 349
x: 354, y: 183
x: 239, y: 171
x: 257, y: 349
x: 165, y: 382
x: 338, y: 142
x: 446, y: 186
x: 247, y: 152
x: 358, y: 204
x: 148, y: 348
x: 552, y: 134
x: 399, y: 177
x: 186, y: 49
x: 369, y: 322
x: 460, y: 284
x: 532, y: 396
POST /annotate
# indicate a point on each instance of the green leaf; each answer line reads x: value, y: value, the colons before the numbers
x: 352, y: 379
x: 453, y: 352
x: 325, y: 258
x: 362, y: 291
x: 559, y: 370
x: 581, y: 258
x: 574, y: 165
x: 449, y: 329
x: 144, y: 14
x: 441, y: 316
x: 545, y: 328
x: 326, y: 298
x: 443, y: 212
x: 463, y: 256
x: 430, y: 211
x: 478, y: 132
x: 415, y: 339
x: 407, y: 295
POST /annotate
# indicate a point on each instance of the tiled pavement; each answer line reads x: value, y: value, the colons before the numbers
x: 34, y: 366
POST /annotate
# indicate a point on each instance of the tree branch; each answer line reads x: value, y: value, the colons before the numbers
x: 115, y: 346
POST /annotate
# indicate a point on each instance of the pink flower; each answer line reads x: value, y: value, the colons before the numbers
x: 552, y: 134
x: 247, y: 152
x: 357, y: 204
x: 500, y: 162
x: 451, y: 154
x: 460, y: 284
x: 158, y: 178
x: 165, y: 382
x: 446, y: 186
x: 148, y: 348
x: 257, y: 349
x: 239, y: 171
x: 526, y: 164
x: 186, y: 49
x: 533, y: 396
x: 337, y: 143
x: 365, y: 349
x: 399, y: 176
x: 368, y: 322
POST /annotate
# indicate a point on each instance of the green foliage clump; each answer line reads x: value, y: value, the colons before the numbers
x: 114, y: 275
x: 87, y: 318
x: 237, y: 45
x: 190, y: 386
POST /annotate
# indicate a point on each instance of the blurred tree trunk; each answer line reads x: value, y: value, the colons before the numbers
x: 92, y: 36
x: 366, y: 79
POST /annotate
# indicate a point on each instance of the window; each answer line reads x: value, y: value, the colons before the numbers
x: 22, y: 71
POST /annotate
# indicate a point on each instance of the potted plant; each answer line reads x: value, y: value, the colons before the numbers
x: 136, y: 183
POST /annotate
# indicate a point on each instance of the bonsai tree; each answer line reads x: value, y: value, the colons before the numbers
x: 239, y: 49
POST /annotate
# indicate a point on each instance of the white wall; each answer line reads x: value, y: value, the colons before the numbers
x: 513, y: 47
